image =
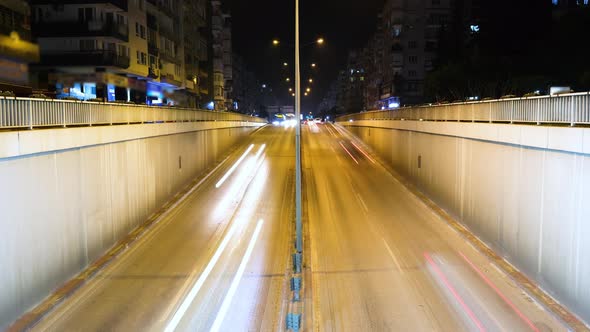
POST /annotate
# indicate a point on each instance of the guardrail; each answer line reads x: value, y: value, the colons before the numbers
x: 32, y: 113
x: 571, y: 108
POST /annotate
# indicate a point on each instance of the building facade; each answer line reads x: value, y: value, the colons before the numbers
x: 140, y: 51
x: 85, y: 48
x: 16, y: 49
x: 410, y: 32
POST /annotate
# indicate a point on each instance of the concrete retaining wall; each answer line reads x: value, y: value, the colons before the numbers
x: 524, y: 190
x: 62, y: 209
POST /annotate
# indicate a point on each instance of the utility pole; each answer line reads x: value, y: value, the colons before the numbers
x: 298, y: 225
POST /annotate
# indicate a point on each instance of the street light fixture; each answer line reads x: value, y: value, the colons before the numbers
x: 287, y: 79
x: 320, y: 41
x: 290, y: 89
x: 275, y: 42
x: 313, y: 65
x: 311, y: 80
x: 308, y: 90
x: 285, y: 64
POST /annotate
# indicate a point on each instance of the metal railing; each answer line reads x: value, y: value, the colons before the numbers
x: 572, y: 109
x: 33, y: 113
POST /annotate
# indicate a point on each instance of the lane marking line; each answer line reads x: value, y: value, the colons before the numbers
x: 233, y: 168
x: 506, y: 300
x: 363, y: 152
x: 360, y: 199
x: 450, y: 287
x: 259, y: 151
x: 179, y: 314
x: 351, y: 156
x: 236, y: 281
x: 397, y: 264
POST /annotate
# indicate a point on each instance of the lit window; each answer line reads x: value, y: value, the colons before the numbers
x: 397, y: 30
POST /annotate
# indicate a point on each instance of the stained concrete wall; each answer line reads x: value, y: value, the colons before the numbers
x: 60, y: 209
x: 524, y: 190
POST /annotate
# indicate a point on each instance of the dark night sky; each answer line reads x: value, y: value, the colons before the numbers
x: 345, y: 24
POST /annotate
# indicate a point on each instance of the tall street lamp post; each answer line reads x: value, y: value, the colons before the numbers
x: 298, y: 223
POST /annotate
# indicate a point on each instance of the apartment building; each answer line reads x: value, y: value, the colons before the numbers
x: 85, y: 48
x: 141, y: 51
x: 411, y: 31
x: 16, y: 49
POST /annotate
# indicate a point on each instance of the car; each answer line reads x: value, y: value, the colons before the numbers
x: 317, y: 120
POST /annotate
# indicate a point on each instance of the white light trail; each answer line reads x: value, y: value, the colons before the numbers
x: 259, y: 152
x: 236, y: 281
x: 233, y: 168
x: 195, y: 290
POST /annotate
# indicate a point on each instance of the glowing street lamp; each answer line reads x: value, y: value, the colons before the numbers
x: 287, y: 79
x: 313, y: 65
x: 311, y: 80
x: 308, y: 90
x: 320, y: 41
x: 290, y: 89
x: 275, y: 42
x: 285, y: 64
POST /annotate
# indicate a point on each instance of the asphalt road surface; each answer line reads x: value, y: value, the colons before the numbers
x: 184, y: 273
x: 379, y: 259
x: 382, y: 261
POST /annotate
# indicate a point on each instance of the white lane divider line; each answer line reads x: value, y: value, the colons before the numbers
x: 233, y: 168
x: 195, y: 290
x: 236, y: 281
x: 395, y: 261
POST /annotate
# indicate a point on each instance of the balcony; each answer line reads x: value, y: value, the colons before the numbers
x: 170, y: 35
x: 169, y: 79
x: 83, y: 29
x: 153, y: 72
x: 98, y: 58
x: 168, y: 57
x: 122, y: 4
x: 153, y: 48
x: 163, y: 7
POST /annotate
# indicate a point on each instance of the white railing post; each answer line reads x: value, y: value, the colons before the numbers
x: 30, y: 114
x: 538, y: 116
x: 63, y: 115
x: 572, y: 112
x: 512, y: 111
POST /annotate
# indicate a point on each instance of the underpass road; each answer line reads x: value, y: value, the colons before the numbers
x: 382, y: 261
x: 154, y: 285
